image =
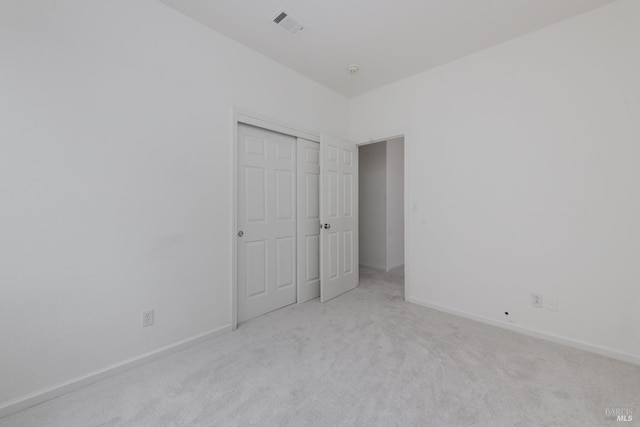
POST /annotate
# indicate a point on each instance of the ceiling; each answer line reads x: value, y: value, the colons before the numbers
x: 388, y: 39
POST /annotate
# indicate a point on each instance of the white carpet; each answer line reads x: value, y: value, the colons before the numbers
x: 366, y: 358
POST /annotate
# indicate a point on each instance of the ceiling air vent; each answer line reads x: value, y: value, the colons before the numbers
x: 288, y: 22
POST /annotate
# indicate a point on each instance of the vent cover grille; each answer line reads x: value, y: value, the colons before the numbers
x: 280, y: 17
x: 288, y: 23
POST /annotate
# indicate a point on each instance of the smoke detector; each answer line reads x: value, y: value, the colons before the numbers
x: 353, y: 68
x: 288, y: 22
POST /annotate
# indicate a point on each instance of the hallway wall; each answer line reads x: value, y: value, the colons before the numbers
x: 372, y: 182
x: 381, y: 198
x: 395, y: 203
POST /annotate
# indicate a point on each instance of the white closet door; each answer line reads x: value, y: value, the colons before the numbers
x: 266, y: 221
x: 339, y: 215
x: 308, y: 220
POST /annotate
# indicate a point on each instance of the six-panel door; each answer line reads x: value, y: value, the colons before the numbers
x: 308, y: 220
x: 339, y: 215
x: 267, y: 221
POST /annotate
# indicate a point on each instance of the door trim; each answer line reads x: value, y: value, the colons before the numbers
x: 274, y: 125
x: 239, y: 115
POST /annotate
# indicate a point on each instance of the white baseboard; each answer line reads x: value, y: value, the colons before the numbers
x: 603, y: 351
x: 373, y: 267
x: 40, y: 396
x: 397, y: 267
x: 383, y: 269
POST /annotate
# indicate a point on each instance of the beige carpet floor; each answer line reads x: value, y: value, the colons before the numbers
x: 366, y: 358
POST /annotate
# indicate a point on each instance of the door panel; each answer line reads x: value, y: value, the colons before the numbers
x: 285, y: 259
x: 255, y: 147
x: 313, y: 260
x: 333, y: 255
x: 308, y: 220
x: 347, y: 264
x: 339, y: 214
x: 332, y: 194
x: 256, y: 277
x: 312, y: 211
x: 266, y: 216
x: 284, y: 195
x: 348, y: 195
x: 255, y: 191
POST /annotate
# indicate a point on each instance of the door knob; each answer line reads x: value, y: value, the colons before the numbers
x: 240, y: 233
x: 327, y: 226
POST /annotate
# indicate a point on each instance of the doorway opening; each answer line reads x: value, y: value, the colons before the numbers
x: 381, y: 201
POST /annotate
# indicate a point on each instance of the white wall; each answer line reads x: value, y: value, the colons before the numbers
x: 115, y: 172
x: 372, y: 181
x: 395, y: 203
x: 522, y: 168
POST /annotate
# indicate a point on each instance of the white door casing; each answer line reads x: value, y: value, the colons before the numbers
x: 339, y: 216
x: 308, y: 220
x: 266, y: 244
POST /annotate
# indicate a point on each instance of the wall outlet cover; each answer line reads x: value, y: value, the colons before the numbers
x: 147, y: 318
x: 551, y: 304
x: 536, y: 300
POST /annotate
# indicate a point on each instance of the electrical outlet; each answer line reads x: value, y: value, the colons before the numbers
x: 147, y: 318
x: 536, y: 300
x: 551, y: 304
